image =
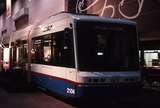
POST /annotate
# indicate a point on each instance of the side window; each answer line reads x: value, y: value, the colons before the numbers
x: 62, y: 50
x: 37, y: 51
x: 47, y: 45
x: 68, y: 49
x: 41, y: 51
x: 54, y: 49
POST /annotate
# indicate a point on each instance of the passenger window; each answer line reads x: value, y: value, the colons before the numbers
x: 54, y: 49
x: 47, y: 44
x: 68, y: 49
x: 63, y: 51
x: 37, y: 51
x: 47, y: 53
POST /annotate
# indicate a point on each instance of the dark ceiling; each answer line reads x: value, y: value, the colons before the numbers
x: 2, y: 6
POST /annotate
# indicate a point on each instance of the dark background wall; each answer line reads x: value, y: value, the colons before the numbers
x: 2, y: 6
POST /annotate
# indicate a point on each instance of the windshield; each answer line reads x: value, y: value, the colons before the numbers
x: 106, y: 47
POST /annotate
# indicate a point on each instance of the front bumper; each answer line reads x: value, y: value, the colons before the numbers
x: 108, y: 90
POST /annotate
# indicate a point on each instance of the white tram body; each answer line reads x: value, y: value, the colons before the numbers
x: 68, y: 61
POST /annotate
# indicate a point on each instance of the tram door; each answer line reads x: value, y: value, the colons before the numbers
x: 6, y: 58
x: 19, y: 53
x: 21, y: 57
